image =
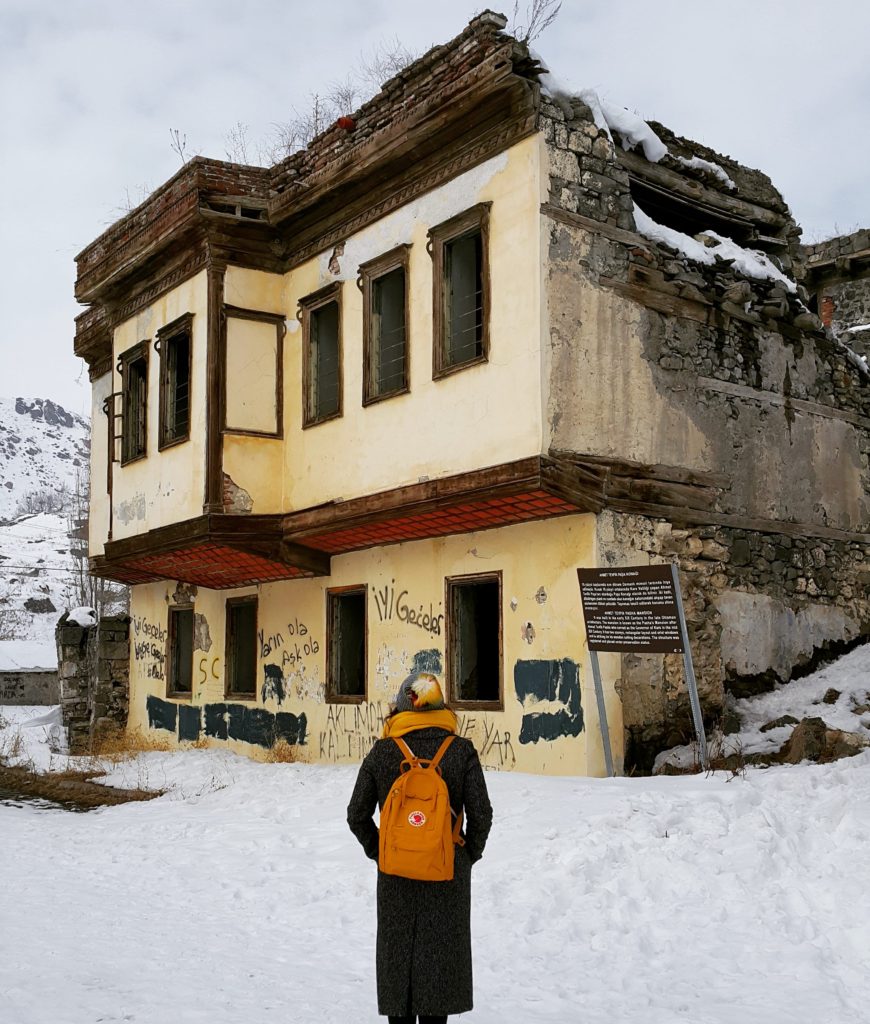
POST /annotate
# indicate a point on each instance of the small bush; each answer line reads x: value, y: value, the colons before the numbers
x: 117, y: 744
x: 281, y: 752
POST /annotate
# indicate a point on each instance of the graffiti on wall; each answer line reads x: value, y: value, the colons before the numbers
x: 273, y: 684
x: 149, y: 647
x: 549, y: 691
x: 393, y: 603
x: 291, y: 647
x: 227, y: 721
x: 351, y: 730
x: 493, y: 744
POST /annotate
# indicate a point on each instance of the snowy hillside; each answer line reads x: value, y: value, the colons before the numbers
x: 41, y: 448
x: 43, y: 459
x: 712, y: 899
x: 36, y: 576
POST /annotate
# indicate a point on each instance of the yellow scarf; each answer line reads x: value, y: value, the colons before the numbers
x: 407, y: 721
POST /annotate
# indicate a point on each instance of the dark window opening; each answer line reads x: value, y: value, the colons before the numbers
x: 461, y: 290
x: 690, y: 217
x: 346, y: 644
x: 175, y: 353
x: 321, y: 319
x: 180, y: 652
x: 241, y: 647
x: 474, y: 639
x: 134, y: 403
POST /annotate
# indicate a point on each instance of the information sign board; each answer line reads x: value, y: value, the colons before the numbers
x: 631, y: 610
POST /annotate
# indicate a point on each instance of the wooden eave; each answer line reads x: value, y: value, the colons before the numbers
x: 220, y: 551
x: 539, y: 487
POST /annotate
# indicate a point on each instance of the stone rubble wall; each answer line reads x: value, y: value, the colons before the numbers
x: 839, y: 272
x: 759, y: 607
x: 94, y: 670
x: 662, y: 361
x: 22, y: 687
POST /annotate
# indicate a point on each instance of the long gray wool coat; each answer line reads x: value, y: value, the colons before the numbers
x: 424, y: 928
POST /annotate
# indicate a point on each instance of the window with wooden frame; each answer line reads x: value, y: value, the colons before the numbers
x: 460, y: 274
x: 346, y: 644
x: 241, y: 647
x: 179, y: 682
x: 473, y: 641
x: 133, y: 365
x: 174, y: 344
x: 320, y: 314
x: 384, y: 283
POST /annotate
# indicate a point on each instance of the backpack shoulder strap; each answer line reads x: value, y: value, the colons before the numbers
x: 436, y: 760
x: 406, y: 750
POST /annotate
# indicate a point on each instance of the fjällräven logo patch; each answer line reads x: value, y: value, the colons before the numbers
x: 416, y: 818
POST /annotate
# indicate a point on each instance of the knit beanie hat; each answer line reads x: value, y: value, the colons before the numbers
x: 419, y: 692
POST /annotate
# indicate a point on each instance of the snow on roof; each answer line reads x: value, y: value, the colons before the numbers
x: 28, y: 656
x: 634, y: 131
x: 710, y: 167
x: 631, y: 127
x: 749, y: 262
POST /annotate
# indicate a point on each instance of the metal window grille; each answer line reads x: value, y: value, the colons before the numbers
x: 324, y: 386
x: 463, y: 273
x: 389, y: 353
x: 134, y: 408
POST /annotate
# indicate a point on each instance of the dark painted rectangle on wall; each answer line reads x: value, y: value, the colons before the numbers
x: 290, y: 728
x: 556, y: 681
x: 259, y: 727
x: 162, y: 714
x: 216, y: 721
x: 223, y: 721
x: 189, y: 722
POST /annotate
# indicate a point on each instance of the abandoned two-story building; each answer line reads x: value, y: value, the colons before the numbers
x: 368, y: 410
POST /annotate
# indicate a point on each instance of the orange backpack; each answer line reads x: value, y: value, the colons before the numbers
x: 416, y: 839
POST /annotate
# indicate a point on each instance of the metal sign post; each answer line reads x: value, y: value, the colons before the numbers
x: 637, y: 609
x: 602, y: 714
x: 691, y: 683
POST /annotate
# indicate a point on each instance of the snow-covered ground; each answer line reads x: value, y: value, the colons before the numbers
x: 801, y: 698
x: 240, y: 895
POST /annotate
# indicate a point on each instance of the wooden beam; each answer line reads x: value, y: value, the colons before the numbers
x: 687, y: 188
x: 213, y: 500
x: 507, y: 478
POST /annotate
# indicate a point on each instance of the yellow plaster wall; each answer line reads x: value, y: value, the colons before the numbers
x: 254, y: 289
x: 481, y: 416
x: 254, y: 464
x: 538, y: 562
x: 251, y: 369
x: 164, y: 487
x: 98, y: 517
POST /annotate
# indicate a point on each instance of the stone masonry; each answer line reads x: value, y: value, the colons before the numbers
x: 723, y: 374
x: 94, y: 669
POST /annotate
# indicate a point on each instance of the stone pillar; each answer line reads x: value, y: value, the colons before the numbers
x: 74, y: 648
x: 94, y: 674
x: 109, y: 695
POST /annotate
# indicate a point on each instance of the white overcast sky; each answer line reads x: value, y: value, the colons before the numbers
x: 90, y: 88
